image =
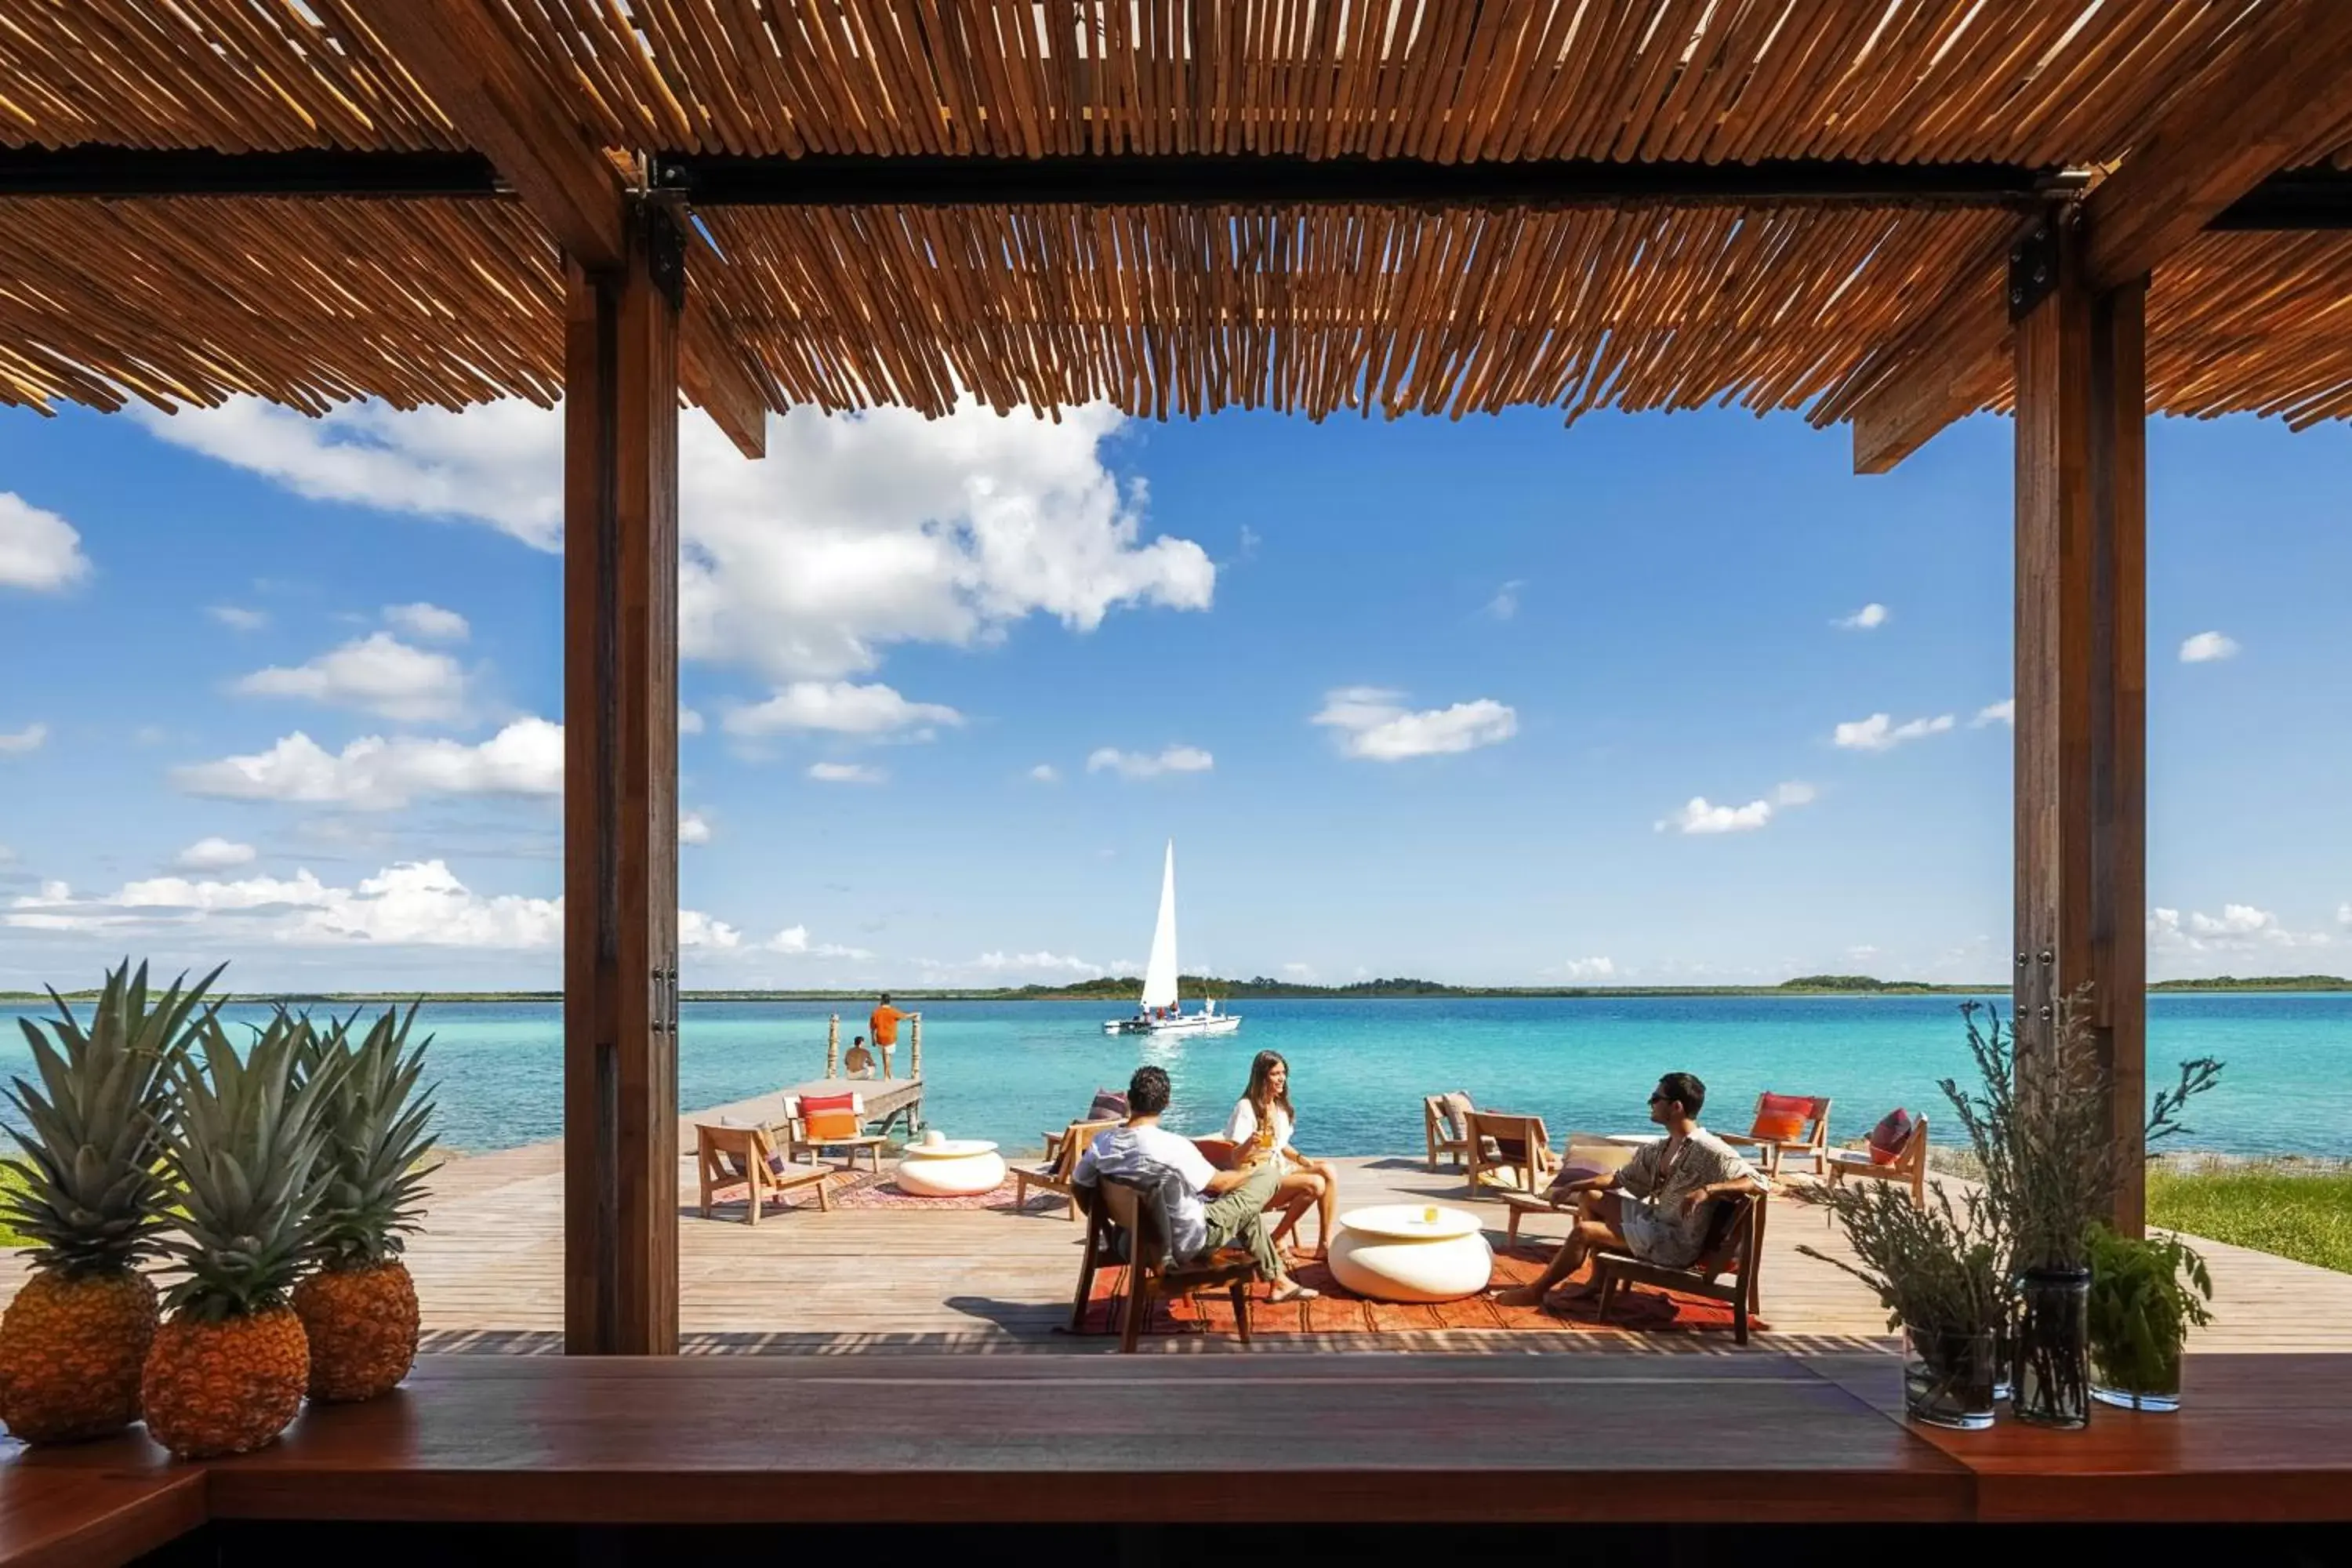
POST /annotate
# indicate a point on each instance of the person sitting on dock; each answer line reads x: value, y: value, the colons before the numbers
x: 1207, y: 1208
x: 885, y: 1026
x: 1655, y: 1207
x: 860, y: 1062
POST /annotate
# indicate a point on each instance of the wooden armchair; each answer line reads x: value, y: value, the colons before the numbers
x: 1445, y: 1127
x: 1119, y: 1207
x: 1909, y: 1165
x: 816, y: 1123
x: 1725, y: 1269
x: 1584, y: 1156
x: 1060, y: 1165
x: 1514, y: 1147
x: 733, y: 1159
x: 1764, y: 1134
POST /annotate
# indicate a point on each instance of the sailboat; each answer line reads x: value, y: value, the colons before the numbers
x: 1159, y: 1012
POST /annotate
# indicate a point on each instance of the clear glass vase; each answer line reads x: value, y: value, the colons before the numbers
x: 2136, y: 1379
x: 2051, y: 1385
x: 1948, y: 1377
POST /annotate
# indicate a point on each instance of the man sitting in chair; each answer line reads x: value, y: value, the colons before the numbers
x: 1235, y: 1210
x: 1655, y: 1209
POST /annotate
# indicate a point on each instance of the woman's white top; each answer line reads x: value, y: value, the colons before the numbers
x: 1242, y: 1126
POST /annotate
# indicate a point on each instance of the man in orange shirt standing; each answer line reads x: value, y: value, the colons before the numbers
x: 883, y: 1026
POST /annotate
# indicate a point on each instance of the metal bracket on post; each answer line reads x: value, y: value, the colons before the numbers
x: 665, y: 252
x: 2032, y: 266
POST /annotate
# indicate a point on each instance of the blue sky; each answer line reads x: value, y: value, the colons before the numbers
x: 1419, y: 697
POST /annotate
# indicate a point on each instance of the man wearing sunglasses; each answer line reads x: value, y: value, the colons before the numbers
x: 1655, y: 1209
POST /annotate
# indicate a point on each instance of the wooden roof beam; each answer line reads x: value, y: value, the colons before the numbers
x: 456, y: 53
x: 2263, y: 106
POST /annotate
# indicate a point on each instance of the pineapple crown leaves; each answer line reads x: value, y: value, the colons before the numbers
x: 88, y: 1192
x: 377, y: 1143
x: 241, y: 1154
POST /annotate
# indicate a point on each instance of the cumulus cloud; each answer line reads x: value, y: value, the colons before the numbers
x: 689, y: 721
x: 693, y: 827
x: 696, y: 929
x: 856, y: 532
x: 1303, y: 973
x: 237, y: 618
x: 1374, y: 723
x: 31, y: 738
x: 214, y: 853
x: 1879, y: 732
x: 845, y: 773
x: 1868, y: 618
x: 2238, y: 929
x: 2344, y: 914
x: 1036, y: 962
x: 415, y: 903
x: 38, y: 550
x: 2206, y: 647
x: 373, y: 773
x: 429, y: 622
x: 1505, y: 604
x: 378, y: 674
x: 838, y: 707
x: 1589, y: 969
x: 2001, y: 713
x: 1149, y: 766
x: 1045, y: 772
x: 1699, y: 814
x: 794, y: 940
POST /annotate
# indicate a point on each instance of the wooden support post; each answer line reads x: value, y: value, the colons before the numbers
x: 620, y: 797
x: 915, y: 1046
x: 2082, y: 666
x: 833, y: 1046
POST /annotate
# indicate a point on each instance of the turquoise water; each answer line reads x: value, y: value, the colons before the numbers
x: 1009, y: 1070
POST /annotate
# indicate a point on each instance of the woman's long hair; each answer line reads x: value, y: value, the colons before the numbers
x: 1261, y: 1097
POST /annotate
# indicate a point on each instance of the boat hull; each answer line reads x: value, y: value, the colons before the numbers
x: 1199, y: 1024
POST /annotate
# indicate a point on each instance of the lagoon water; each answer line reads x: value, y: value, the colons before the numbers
x: 1008, y: 1070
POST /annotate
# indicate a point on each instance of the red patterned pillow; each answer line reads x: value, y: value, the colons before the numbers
x: 1781, y: 1118
x: 1887, y: 1139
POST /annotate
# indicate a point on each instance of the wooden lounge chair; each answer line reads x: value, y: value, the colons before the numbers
x: 1772, y: 1112
x: 1445, y: 1127
x: 1060, y: 1165
x: 1725, y: 1269
x: 1909, y: 1165
x: 1583, y: 1152
x: 1119, y: 1207
x: 729, y: 1159
x: 1515, y: 1147
x: 810, y: 1133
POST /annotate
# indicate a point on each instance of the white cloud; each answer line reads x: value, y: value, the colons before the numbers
x: 856, y: 532
x: 1868, y: 618
x: 1879, y: 732
x: 236, y: 618
x: 1033, y: 963
x: 2206, y: 647
x: 2001, y: 713
x: 1145, y: 766
x: 1373, y: 723
x: 689, y: 721
x: 1505, y: 604
x: 415, y: 903
x: 693, y: 827
x: 1700, y: 816
x: 373, y: 773
x: 379, y: 674
x: 214, y: 853
x: 430, y: 622
x: 1589, y: 969
x: 1303, y: 972
x: 1045, y: 772
x: 840, y: 708
x: 38, y: 550
x: 2239, y: 928
x: 845, y: 773
x: 794, y: 940
x: 29, y: 739
x: 696, y: 929
x: 2344, y: 914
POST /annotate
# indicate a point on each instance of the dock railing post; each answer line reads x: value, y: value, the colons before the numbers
x: 915, y: 1049
x: 833, y: 1046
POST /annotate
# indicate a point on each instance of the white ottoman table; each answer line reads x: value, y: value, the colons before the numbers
x: 1398, y: 1253
x: 951, y: 1168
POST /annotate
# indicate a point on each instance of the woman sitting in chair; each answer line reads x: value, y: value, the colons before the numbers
x: 1260, y: 1128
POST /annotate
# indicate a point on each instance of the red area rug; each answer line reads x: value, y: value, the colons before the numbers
x: 1339, y: 1312
x: 864, y: 1190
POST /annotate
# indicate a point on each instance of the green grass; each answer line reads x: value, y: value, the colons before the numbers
x: 12, y: 1180
x: 2299, y: 1214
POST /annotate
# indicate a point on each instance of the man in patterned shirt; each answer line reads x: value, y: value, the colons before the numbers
x: 1655, y: 1208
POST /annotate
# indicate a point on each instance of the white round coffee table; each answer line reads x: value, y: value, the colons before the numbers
x: 951, y: 1168
x: 1398, y: 1253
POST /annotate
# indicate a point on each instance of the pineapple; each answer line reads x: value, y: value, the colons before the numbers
x: 73, y: 1340
x: 229, y: 1367
x: 360, y: 1307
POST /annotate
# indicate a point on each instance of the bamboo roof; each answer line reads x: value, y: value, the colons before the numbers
x: 1159, y: 308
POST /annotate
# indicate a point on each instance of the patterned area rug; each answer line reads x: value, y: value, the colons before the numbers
x: 864, y: 1190
x: 1339, y: 1312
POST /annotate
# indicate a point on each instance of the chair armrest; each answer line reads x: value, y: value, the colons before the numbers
x: 1748, y: 1139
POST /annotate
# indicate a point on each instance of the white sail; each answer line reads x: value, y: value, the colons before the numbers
x: 1160, y: 976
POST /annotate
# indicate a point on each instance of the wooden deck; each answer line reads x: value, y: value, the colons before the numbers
x: 488, y: 1271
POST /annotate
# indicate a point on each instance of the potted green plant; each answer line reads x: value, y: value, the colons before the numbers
x: 2146, y: 1295
x: 1937, y: 1270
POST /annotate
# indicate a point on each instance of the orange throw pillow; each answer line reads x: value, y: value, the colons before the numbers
x: 829, y: 1116
x: 1781, y: 1118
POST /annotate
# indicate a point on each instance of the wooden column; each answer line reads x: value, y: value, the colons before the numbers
x: 2081, y: 666
x: 620, y: 798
